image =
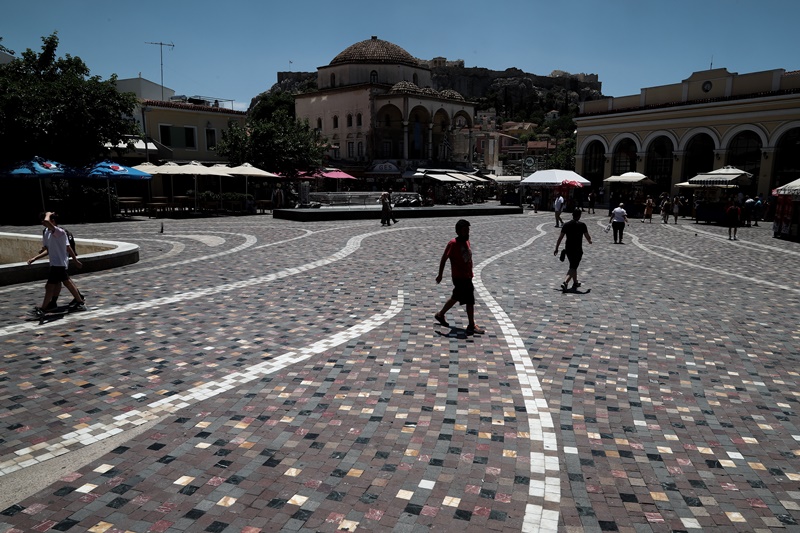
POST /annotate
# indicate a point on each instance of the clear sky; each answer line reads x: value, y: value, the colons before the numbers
x: 234, y: 49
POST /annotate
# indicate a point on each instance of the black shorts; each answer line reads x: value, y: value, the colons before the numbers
x: 463, y: 291
x: 57, y: 275
x: 574, y: 258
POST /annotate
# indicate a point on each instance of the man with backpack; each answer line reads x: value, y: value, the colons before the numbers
x: 56, y: 245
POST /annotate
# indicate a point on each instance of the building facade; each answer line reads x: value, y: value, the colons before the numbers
x: 712, y: 119
x: 375, y: 104
x: 182, y: 129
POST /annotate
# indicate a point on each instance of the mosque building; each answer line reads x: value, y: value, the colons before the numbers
x: 376, y: 109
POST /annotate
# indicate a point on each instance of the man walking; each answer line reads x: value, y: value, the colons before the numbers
x: 459, y: 252
x: 574, y: 231
x: 558, y: 206
x: 57, y: 247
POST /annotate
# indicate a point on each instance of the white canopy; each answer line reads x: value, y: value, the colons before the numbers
x: 554, y: 177
x: 722, y: 176
x: 631, y: 177
x: 792, y: 188
x: 246, y: 169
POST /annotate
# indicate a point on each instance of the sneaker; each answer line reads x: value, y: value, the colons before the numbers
x: 395, y: 221
x: 39, y: 313
x: 475, y: 330
x: 441, y: 320
x: 564, y: 286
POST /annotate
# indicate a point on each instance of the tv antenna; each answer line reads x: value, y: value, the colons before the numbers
x: 161, y: 47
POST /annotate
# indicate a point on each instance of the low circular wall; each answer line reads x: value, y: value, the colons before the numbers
x: 95, y: 254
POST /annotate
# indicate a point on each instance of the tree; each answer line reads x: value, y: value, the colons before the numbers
x: 273, y: 139
x: 278, y: 144
x: 52, y: 107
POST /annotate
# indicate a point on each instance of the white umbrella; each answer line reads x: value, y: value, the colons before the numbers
x: 554, y: 177
x: 247, y: 170
x: 631, y: 177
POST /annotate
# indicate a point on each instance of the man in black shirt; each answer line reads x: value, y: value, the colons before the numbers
x: 575, y: 231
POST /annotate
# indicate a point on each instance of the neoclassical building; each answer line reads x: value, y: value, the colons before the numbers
x: 375, y: 105
x: 714, y: 118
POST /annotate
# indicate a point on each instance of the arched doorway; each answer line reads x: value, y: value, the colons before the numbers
x: 787, y: 159
x: 624, y: 158
x: 659, y: 162
x: 744, y: 153
x: 699, y: 156
x: 594, y: 164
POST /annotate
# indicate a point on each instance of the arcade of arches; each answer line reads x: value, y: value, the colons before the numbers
x: 712, y: 119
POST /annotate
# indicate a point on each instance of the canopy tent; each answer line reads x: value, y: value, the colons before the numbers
x: 553, y: 178
x: 727, y: 175
x: 193, y: 168
x: 635, y: 178
x: 790, y: 189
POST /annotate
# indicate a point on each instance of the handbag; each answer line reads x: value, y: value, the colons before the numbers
x: 608, y: 228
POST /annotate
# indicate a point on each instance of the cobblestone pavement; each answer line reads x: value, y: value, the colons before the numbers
x: 252, y: 374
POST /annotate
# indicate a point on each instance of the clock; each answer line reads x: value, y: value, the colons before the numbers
x: 707, y: 86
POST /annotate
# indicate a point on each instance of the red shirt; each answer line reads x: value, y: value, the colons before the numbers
x: 460, y: 255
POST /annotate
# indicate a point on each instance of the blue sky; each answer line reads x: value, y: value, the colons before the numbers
x: 234, y: 49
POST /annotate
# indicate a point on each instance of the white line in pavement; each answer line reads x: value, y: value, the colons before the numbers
x: 715, y: 270
x: 352, y: 245
x: 545, y: 482
x: 99, y: 431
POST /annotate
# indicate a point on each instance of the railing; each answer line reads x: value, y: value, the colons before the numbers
x: 360, y: 199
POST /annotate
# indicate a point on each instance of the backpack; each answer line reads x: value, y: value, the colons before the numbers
x: 71, y: 240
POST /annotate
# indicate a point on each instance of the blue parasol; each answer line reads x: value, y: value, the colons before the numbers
x: 112, y: 170
x: 109, y: 170
x: 38, y: 167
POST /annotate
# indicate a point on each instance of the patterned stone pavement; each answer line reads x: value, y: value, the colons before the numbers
x: 251, y: 374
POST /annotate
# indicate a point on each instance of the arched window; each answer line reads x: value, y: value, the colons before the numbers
x: 415, y: 79
x: 624, y: 158
x: 333, y: 80
x: 387, y: 121
x: 349, y: 121
x: 787, y: 159
x: 744, y: 153
x: 335, y: 122
x: 593, y: 164
x: 319, y: 124
x: 358, y: 120
x: 699, y: 156
x: 659, y: 162
x: 373, y: 76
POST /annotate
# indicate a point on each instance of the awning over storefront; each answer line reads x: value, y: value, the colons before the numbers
x: 506, y: 179
x: 723, y: 176
x: 443, y: 178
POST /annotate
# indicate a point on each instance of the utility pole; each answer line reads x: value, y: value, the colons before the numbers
x: 161, y: 47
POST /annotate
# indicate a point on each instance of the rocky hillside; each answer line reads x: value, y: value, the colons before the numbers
x: 512, y: 92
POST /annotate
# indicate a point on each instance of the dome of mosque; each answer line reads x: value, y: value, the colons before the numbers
x: 375, y: 50
x: 451, y: 94
x: 404, y: 87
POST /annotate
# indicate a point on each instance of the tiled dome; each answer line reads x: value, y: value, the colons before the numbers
x: 404, y: 87
x: 451, y: 94
x: 429, y: 91
x: 375, y: 51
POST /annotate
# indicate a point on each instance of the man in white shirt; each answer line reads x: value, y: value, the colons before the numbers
x: 558, y: 207
x: 56, y: 246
